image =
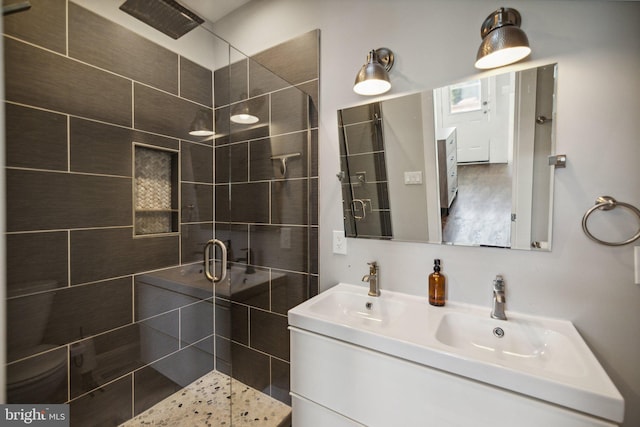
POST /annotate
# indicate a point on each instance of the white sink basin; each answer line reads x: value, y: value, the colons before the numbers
x: 358, y: 310
x: 526, y: 345
x: 539, y: 357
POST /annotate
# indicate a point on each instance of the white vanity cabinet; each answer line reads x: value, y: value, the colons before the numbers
x: 335, y: 383
x: 447, y: 151
x: 394, y: 360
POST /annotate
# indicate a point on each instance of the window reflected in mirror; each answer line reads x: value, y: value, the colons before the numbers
x: 464, y: 97
x: 465, y: 164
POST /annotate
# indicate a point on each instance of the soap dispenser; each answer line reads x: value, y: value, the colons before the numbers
x: 437, y: 285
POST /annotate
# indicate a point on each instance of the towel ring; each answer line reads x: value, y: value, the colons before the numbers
x: 606, y: 203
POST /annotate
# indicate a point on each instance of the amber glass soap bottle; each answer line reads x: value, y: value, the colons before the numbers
x: 437, y: 285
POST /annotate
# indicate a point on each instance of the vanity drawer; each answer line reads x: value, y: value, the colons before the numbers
x: 451, y: 161
x: 375, y: 389
x: 309, y: 414
x: 451, y: 143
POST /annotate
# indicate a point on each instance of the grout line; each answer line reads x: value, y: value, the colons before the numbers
x: 248, y: 78
x: 179, y: 65
x: 270, y: 203
x: 133, y: 395
x: 68, y: 258
x: 248, y: 326
x: 133, y: 299
x: 68, y: 372
x: 256, y: 350
x: 66, y: 29
x: 19, y: 168
x: 133, y: 105
x: 180, y: 347
x: 270, y: 376
x: 68, y: 143
x: 270, y: 289
x: 13, y: 362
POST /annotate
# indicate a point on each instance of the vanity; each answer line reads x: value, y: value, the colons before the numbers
x: 394, y: 360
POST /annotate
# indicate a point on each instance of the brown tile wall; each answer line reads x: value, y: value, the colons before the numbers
x: 362, y: 150
x: 79, y: 90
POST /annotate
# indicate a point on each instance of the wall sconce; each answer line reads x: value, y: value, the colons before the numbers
x: 373, y: 78
x: 503, y: 42
x: 202, y: 124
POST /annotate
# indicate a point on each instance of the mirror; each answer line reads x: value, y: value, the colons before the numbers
x: 465, y: 164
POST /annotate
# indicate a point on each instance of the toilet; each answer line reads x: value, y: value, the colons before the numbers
x: 34, y: 380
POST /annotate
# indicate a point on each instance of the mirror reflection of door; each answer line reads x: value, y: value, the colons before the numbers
x: 466, y: 107
x: 482, y: 111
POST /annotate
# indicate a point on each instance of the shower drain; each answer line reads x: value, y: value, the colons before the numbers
x: 498, y: 332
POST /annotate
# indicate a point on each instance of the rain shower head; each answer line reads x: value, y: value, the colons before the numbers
x: 167, y: 16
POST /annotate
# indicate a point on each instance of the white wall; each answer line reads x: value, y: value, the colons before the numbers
x: 404, y: 152
x: 597, y: 47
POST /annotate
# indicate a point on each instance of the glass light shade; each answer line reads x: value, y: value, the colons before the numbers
x: 244, y: 119
x: 201, y: 132
x: 373, y: 78
x: 202, y: 124
x: 502, y: 46
x: 240, y: 114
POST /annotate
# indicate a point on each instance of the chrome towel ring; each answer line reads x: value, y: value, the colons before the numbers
x: 606, y: 203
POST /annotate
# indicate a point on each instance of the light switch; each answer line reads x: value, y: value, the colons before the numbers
x: 413, y: 178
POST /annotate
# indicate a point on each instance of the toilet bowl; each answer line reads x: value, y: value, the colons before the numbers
x: 35, y: 379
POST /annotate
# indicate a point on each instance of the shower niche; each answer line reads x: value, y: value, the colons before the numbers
x: 155, y: 190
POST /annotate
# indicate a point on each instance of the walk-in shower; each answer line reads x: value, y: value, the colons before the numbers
x: 110, y: 201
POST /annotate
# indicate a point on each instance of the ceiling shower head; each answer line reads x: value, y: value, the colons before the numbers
x: 167, y: 16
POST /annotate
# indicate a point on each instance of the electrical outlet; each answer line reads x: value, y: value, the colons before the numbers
x: 339, y: 242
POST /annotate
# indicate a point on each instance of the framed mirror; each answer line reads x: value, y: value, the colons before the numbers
x: 464, y: 164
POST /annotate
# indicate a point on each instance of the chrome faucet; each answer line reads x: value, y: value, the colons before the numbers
x: 372, y: 279
x: 499, y: 299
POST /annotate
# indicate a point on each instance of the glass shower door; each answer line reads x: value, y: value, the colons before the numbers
x: 262, y: 191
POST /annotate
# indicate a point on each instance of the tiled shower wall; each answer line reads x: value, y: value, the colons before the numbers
x: 79, y: 90
x: 362, y: 154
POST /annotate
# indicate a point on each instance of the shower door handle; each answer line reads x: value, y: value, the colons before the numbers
x: 207, y: 263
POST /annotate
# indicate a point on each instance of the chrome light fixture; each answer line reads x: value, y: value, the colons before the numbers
x: 503, y: 42
x: 241, y: 114
x: 373, y: 78
x: 202, y: 124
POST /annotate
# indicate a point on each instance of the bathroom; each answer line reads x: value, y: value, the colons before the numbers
x: 595, y: 45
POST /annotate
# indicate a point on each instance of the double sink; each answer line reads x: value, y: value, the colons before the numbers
x: 539, y: 357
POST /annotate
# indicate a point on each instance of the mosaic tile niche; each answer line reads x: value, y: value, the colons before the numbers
x: 155, y: 186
